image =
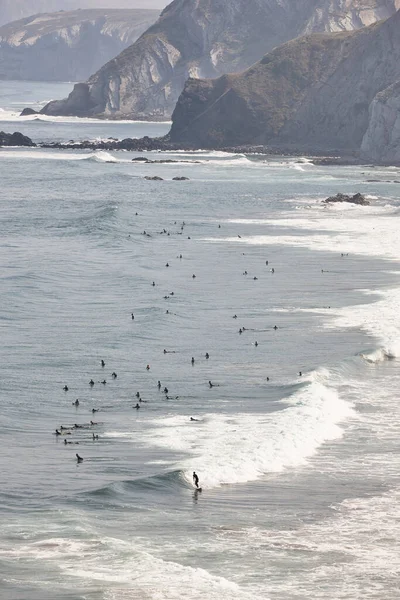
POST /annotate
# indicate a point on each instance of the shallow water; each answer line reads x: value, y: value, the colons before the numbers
x: 299, y: 474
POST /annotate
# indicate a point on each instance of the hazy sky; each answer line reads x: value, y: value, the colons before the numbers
x: 131, y: 3
x: 10, y: 10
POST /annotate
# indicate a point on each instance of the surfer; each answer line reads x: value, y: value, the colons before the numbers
x: 65, y: 388
x: 193, y: 419
x: 192, y: 360
x: 210, y: 384
x: 137, y: 406
x: 133, y: 316
x: 207, y: 356
x: 79, y: 458
x: 114, y: 375
x: 76, y: 403
x: 159, y: 384
x: 195, y: 479
x: 91, y: 383
x: 103, y: 364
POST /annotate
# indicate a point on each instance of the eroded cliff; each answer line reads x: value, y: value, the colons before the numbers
x: 382, y: 138
x: 203, y: 39
x: 68, y: 46
x: 314, y: 92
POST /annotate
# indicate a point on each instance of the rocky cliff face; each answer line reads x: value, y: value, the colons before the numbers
x: 314, y: 92
x: 207, y: 38
x: 68, y: 46
x: 382, y: 138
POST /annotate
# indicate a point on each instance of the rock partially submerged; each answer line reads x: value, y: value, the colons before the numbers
x: 180, y: 179
x: 155, y: 178
x: 27, y: 112
x: 15, y: 139
x: 356, y: 199
x: 165, y: 161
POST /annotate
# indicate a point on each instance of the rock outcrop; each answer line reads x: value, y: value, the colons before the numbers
x: 382, y: 138
x: 68, y: 46
x: 312, y: 93
x: 15, y: 139
x: 356, y: 199
x: 208, y: 38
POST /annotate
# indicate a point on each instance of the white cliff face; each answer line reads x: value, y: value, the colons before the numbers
x: 382, y: 138
x: 346, y: 15
x: 208, y: 38
x: 68, y: 46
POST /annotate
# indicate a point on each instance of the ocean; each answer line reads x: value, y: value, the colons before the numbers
x: 296, y: 440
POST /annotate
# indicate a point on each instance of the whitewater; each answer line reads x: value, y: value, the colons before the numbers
x: 296, y: 305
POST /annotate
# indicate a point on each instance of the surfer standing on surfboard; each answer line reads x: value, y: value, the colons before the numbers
x: 195, y: 479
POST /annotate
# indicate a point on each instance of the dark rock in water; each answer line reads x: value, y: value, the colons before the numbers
x: 356, y: 199
x: 28, y: 111
x: 15, y: 139
x: 164, y: 161
x: 155, y: 178
x: 180, y: 179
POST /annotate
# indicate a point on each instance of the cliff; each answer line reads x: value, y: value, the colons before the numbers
x: 314, y: 92
x: 382, y: 138
x: 68, y: 46
x: 12, y: 10
x: 204, y: 39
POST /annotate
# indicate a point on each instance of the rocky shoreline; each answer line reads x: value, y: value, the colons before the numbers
x: 321, y: 157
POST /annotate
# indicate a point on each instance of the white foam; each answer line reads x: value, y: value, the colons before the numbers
x: 13, y: 116
x: 358, y: 230
x: 380, y: 319
x: 39, y: 154
x: 128, y: 571
x: 365, y: 230
x: 244, y: 447
x: 353, y: 553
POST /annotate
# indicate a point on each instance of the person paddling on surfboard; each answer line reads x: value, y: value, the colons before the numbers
x: 195, y: 479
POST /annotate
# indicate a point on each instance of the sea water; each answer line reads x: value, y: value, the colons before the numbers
x: 299, y: 473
